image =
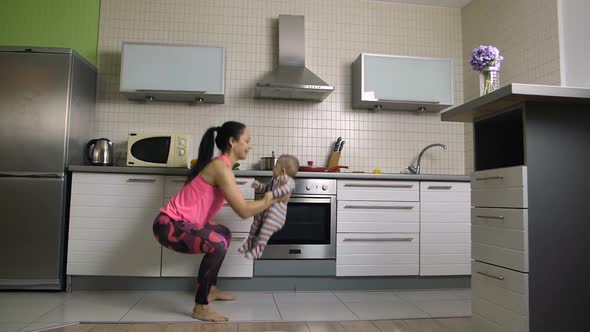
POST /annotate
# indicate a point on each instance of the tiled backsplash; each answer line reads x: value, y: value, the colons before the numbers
x: 336, y: 32
x: 525, y: 31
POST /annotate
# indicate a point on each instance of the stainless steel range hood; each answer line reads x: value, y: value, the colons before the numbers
x: 291, y: 80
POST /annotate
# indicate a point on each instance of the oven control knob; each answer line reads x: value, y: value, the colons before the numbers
x: 324, y: 187
x: 308, y: 187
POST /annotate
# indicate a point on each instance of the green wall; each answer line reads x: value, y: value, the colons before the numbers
x: 54, y: 23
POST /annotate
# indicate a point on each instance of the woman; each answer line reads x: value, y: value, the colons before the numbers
x: 184, y: 224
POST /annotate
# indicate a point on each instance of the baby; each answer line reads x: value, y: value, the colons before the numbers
x: 272, y: 219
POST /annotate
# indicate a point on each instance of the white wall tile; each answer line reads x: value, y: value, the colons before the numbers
x: 336, y: 32
x: 525, y: 31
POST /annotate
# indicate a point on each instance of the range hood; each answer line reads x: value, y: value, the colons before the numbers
x: 291, y: 80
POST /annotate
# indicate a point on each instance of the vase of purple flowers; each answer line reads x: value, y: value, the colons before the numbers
x: 486, y: 60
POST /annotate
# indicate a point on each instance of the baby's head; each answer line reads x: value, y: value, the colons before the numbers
x: 287, y: 162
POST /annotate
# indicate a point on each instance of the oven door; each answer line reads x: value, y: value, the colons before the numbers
x: 309, y: 231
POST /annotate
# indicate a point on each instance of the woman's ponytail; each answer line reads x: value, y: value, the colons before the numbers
x: 206, y: 149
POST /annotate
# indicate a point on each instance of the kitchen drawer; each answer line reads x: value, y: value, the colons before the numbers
x: 445, y: 192
x: 186, y: 265
x: 368, y: 216
x: 117, y: 184
x: 377, y: 254
x: 499, y: 298
x: 502, y: 187
x: 354, y: 190
x: 173, y: 184
x: 227, y: 217
x: 500, y: 237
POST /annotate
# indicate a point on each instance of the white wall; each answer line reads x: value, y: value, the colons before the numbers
x: 336, y: 32
x: 574, y: 42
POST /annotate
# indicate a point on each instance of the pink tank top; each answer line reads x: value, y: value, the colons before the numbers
x: 197, y: 202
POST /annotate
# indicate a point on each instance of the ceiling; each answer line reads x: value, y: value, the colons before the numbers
x: 436, y: 3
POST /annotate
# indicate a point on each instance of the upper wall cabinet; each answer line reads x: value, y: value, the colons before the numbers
x: 168, y: 72
x: 401, y: 83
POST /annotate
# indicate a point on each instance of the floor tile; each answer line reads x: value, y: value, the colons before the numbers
x: 426, y: 325
x: 238, y: 312
x: 305, y: 297
x: 367, y: 297
x: 162, y: 307
x: 446, y: 308
x: 393, y: 325
x: 359, y: 326
x: 273, y: 326
x: 456, y: 324
x: 44, y: 326
x: 11, y: 327
x: 325, y: 327
x: 433, y: 295
x: 315, y: 311
x: 92, y: 307
x: 25, y: 307
x: 253, y: 297
x: 386, y: 310
x: 462, y: 293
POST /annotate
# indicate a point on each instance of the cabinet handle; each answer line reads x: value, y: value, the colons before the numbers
x: 171, y: 91
x: 141, y: 180
x: 239, y: 183
x: 352, y: 185
x: 391, y: 239
x: 238, y: 239
x: 491, y: 276
x: 179, y: 181
x: 440, y: 187
x: 373, y: 207
x: 490, y: 178
x: 491, y: 217
x: 410, y: 101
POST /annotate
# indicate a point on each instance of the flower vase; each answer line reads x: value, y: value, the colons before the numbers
x: 489, y: 80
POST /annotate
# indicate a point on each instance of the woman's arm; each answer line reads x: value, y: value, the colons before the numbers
x: 226, y: 181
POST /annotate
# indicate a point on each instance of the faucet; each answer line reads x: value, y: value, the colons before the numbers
x: 416, y: 170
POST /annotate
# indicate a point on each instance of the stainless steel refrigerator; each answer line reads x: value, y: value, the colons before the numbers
x: 47, y: 98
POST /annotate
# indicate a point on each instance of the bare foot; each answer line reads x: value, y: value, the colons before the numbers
x: 205, y: 312
x: 216, y: 295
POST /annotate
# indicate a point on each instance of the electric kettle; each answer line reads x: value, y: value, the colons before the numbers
x: 99, y: 152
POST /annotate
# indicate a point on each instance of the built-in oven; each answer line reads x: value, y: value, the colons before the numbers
x: 310, y: 228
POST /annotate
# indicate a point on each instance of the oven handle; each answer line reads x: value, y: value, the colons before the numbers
x: 314, y: 200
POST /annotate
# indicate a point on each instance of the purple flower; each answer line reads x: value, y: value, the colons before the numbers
x: 485, y: 56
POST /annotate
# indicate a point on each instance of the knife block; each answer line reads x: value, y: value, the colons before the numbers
x: 334, y: 159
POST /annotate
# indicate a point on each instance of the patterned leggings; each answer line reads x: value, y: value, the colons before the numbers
x: 184, y: 237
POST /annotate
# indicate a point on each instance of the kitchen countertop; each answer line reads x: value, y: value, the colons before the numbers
x: 254, y: 173
x: 512, y: 94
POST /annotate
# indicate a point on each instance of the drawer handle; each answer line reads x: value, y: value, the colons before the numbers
x: 179, y: 181
x: 490, y: 178
x: 373, y: 207
x: 491, y: 276
x: 238, y: 239
x: 351, y: 185
x: 141, y: 180
x: 440, y: 187
x: 391, y: 239
x: 239, y: 183
x: 491, y: 217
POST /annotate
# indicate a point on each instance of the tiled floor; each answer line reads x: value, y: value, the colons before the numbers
x: 32, y: 311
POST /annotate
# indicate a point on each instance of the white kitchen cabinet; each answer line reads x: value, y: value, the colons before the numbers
x: 185, y: 265
x: 445, y: 241
x: 377, y: 228
x: 402, y: 83
x: 173, y: 72
x: 110, y: 229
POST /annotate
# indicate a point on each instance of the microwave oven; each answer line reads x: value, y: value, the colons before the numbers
x: 158, y: 150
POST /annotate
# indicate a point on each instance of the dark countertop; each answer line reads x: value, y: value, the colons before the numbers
x: 253, y: 173
x: 513, y: 94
